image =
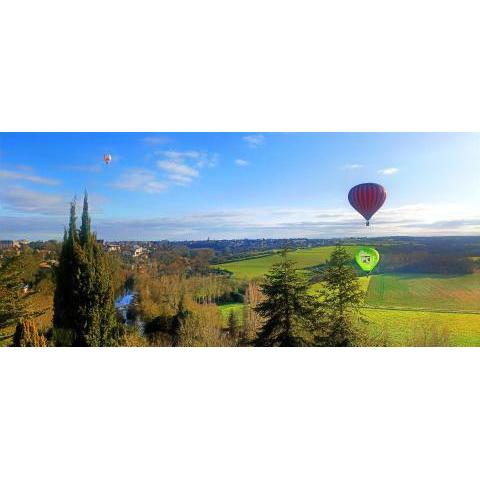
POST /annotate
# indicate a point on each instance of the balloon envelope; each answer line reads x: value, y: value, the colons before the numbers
x: 107, y: 158
x: 367, y: 199
x: 367, y: 258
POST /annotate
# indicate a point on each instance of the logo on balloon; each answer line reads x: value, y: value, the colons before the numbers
x: 367, y: 258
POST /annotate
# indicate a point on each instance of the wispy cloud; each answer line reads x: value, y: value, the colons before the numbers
x: 26, y: 201
x: 389, y: 171
x: 177, y: 168
x: 140, y: 180
x: 23, y: 200
x: 254, y: 141
x: 173, y: 167
x: 351, y: 166
x: 178, y: 172
x: 415, y: 219
x: 88, y: 168
x: 12, y: 175
x: 241, y: 163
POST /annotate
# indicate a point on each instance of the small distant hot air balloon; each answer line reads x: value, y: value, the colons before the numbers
x: 107, y: 158
x: 367, y: 199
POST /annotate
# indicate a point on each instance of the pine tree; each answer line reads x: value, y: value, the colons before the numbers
x: 84, y: 310
x: 287, y: 307
x: 341, y: 301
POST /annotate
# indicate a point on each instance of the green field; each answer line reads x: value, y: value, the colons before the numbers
x: 429, y: 292
x: 230, y: 307
x: 257, y: 267
x: 402, y: 308
x: 407, y: 328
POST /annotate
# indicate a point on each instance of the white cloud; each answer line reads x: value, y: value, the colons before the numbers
x: 140, y: 180
x: 389, y: 171
x: 254, y: 140
x: 23, y: 200
x: 12, y: 175
x: 177, y: 168
x: 415, y: 219
x: 352, y: 166
x: 241, y: 163
x: 180, y: 179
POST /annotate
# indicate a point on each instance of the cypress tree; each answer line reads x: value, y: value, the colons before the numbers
x: 287, y: 308
x: 341, y: 300
x: 84, y: 300
x: 65, y: 297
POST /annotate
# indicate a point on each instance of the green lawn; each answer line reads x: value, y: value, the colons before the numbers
x: 430, y: 292
x: 257, y: 267
x: 231, y: 307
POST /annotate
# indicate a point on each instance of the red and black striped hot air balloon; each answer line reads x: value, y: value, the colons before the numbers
x: 367, y: 199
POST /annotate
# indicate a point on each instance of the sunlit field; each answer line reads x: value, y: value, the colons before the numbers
x: 257, y: 267
x: 431, y: 292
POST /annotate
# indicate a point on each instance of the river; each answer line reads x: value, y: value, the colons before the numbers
x: 122, y: 304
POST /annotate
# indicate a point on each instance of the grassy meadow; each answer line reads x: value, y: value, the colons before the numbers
x: 399, y: 307
x: 251, y: 268
x: 431, y: 292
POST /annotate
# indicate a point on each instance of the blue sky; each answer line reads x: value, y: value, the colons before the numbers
x: 237, y: 185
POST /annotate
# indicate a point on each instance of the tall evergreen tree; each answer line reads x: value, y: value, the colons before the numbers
x: 287, y: 307
x: 85, y: 229
x: 84, y: 312
x: 341, y: 301
x: 65, y: 299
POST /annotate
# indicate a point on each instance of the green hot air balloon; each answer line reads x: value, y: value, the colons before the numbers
x: 367, y: 258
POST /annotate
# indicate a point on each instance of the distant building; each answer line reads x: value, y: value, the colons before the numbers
x: 6, y: 244
x: 139, y: 251
x: 113, y: 247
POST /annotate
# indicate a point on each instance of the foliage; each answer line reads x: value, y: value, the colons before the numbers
x: 84, y: 311
x: 27, y: 335
x: 13, y: 297
x: 287, y: 309
x: 341, y: 298
x: 252, y: 320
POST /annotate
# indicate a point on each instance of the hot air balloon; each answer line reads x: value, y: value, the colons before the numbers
x: 107, y: 158
x: 367, y: 258
x: 367, y: 198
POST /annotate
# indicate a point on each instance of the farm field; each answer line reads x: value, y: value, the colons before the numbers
x: 403, y: 308
x: 257, y: 267
x: 430, y: 292
x: 403, y: 328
